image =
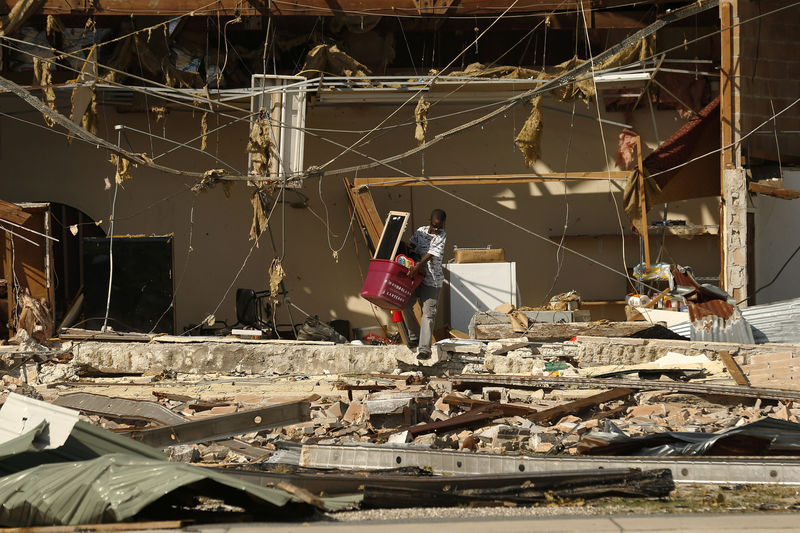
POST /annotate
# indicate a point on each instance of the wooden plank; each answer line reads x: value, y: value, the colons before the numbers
x: 78, y: 334
x: 734, y: 368
x: 727, y: 74
x: 488, y: 180
x: 726, y: 122
x: 559, y: 411
x: 13, y: 213
x: 770, y: 190
x: 367, y: 214
x: 476, y: 417
x: 508, y: 409
x: 543, y: 332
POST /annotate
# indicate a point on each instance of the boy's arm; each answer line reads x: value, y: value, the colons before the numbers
x: 413, y: 271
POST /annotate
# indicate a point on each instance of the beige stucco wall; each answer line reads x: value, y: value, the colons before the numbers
x: 39, y: 165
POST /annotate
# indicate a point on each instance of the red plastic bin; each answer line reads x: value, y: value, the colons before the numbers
x: 388, y: 285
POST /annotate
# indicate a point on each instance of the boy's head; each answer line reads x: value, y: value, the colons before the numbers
x: 438, y: 218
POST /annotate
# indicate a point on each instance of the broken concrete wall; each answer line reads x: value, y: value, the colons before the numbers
x: 600, y: 351
x: 210, y: 357
x: 735, y: 233
x: 319, y: 359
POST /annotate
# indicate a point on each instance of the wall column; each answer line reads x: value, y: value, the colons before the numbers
x: 733, y: 212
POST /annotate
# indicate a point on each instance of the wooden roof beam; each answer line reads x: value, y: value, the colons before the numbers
x: 311, y: 7
x: 489, y: 180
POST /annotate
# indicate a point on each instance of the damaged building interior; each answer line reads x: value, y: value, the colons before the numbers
x: 202, y: 281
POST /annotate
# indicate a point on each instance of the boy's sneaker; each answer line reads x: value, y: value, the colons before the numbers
x: 423, y: 355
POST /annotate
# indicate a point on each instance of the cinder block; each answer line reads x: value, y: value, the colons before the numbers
x: 771, y: 357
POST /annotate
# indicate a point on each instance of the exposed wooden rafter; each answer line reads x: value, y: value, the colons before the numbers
x: 778, y: 191
x: 433, y: 7
x: 312, y: 7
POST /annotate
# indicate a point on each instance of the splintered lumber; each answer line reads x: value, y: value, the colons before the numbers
x: 476, y: 417
x: 544, y: 332
x: 734, y: 368
x: 508, y: 409
x: 776, y: 191
x: 13, y: 213
x: 524, y: 382
x: 559, y: 411
x: 225, y: 426
x: 195, y: 404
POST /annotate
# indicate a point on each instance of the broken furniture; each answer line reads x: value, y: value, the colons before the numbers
x: 252, y: 308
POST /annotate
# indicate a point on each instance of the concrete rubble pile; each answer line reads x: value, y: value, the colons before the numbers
x: 494, y: 409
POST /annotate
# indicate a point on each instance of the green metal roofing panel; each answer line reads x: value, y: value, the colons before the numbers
x: 111, y: 488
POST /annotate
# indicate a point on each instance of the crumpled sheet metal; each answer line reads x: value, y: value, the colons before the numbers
x: 712, y: 328
x: 111, y: 488
x: 61, y: 470
x: 772, y: 322
x: 768, y: 436
x: 775, y: 322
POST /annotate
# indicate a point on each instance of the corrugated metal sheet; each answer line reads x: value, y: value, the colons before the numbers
x: 111, y: 488
x: 711, y: 328
x: 774, y: 322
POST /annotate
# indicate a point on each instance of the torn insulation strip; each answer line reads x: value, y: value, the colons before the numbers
x: 123, y: 168
x: 276, y: 277
x: 43, y: 77
x: 421, y: 117
x: 529, y: 138
x: 258, y: 146
x: 204, y: 131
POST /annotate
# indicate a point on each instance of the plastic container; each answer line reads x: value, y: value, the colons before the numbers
x: 388, y: 285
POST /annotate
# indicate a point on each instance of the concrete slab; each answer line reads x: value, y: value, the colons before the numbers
x: 242, y: 358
